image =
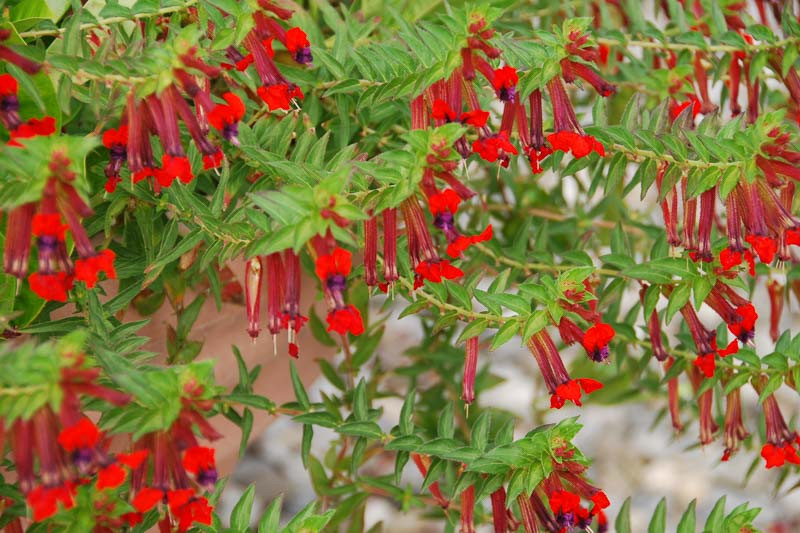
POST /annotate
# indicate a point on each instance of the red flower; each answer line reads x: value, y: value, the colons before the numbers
x: 189, y: 510
x: 49, y: 224
x: 347, y: 320
x: 147, y: 498
x: 477, y: 118
x: 744, y: 329
x: 133, y: 460
x: 34, y: 127
x: 793, y: 236
x: 212, y: 160
x: 110, y: 477
x: 765, y: 247
x: 675, y: 108
x: 732, y: 348
x: 706, y: 363
x: 8, y: 85
x: 434, y: 271
x: 442, y: 111
x: 174, y: 167
x: 199, y: 460
x: 245, y: 62
x: 52, y: 287
x: 178, y: 498
x: 595, y: 341
x: 571, y: 390
x: 115, y: 137
x: 86, y: 270
x: 225, y: 115
x: 778, y: 455
x: 279, y: 96
x: 447, y: 200
x: 579, y: 145
x: 494, y: 147
x: 44, y: 500
x: 600, y: 501
x: 146, y: 172
x: 296, y: 39
x: 337, y: 263
x: 730, y: 258
x: 564, y: 502
x: 504, y: 81
x: 111, y: 184
x: 82, y: 435
x: 455, y: 248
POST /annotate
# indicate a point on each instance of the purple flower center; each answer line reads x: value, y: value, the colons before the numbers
x: 303, y: 55
x: 508, y: 94
x: 337, y: 283
x: 600, y: 354
x: 207, y: 477
x: 444, y: 221
x: 9, y: 103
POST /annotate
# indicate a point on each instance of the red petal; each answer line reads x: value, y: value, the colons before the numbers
x: 147, y: 498
x: 110, y: 477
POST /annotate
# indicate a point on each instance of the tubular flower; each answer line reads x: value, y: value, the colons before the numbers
x: 199, y: 461
x: 116, y: 140
x: 346, y: 320
x: 279, y: 96
x: 579, y: 145
x: 147, y: 498
x: 781, y: 441
x: 494, y: 147
x: 297, y: 44
x: 253, y: 276
x: 571, y: 390
x: 744, y: 327
x: 225, y: 117
x: 504, y: 80
x: 595, y: 341
x: 44, y: 501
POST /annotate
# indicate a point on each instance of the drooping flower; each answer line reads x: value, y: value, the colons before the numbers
x: 494, y: 147
x: 87, y: 269
x: 744, y: 328
x: 504, y: 81
x: 765, y: 247
x: 595, y: 341
x: 346, y: 320
x: 298, y: 45
x: 44, y: 501
x: 147, y: 498
x: 279, y: 95
x: 199, y: 461
x: 225, y: 117
x: 470, y: 370
x: 579, y: 145
x: 110, y: 477
x: 571, y: 390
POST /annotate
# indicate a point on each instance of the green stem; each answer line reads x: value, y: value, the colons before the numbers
x: 108, y: 21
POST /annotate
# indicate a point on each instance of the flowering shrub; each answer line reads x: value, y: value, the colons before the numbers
x: 535, y: 172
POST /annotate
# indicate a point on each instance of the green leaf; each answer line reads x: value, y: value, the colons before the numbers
x: 504, y: 334
x: 678, y: 299
x: 714, y: 521
x: 688, y: 521
x: 407, y: 413
x: 240, y: 516
x: 361, y: 429
x: 535, y: 323
x: 658, y: 524
x: 299, y: 389
x: 446, y: 427
x: 623, y: 522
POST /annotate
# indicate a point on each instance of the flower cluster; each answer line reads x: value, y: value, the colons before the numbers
x: 45, y: 220
x: 283, y: 296
x: 160, y: 113
x: 333, y: 265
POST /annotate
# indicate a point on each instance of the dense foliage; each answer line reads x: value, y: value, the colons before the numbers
x: 534, y: 172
